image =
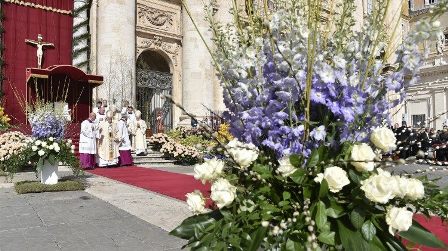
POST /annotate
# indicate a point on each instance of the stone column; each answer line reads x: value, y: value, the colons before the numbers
x: 116, y: 50
x: 198, y: 74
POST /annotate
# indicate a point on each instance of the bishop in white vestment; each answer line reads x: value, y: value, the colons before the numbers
x: 138, y: 131
x: 107, y: 144
x: 87, y: 142
x: 124, y: 146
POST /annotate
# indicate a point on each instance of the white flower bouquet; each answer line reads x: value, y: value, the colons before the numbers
x: 308, y: 102
x: 54, y: 151
x: 13, y: 151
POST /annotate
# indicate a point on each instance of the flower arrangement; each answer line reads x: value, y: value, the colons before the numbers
x: 182, y: 154
x: 4, y: 120
x: 48, y: 125
x: 13, y: 151
x: 54, y: 151
x: 158, y: 140
x: 309, y: 108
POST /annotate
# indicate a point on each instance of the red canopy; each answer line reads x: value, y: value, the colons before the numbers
x: 70, y: 71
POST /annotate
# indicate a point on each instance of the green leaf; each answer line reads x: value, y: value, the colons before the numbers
x: 418, y: 234
x: 368, y: 230
x: 298, y: 176
x: 354, y: 177
x: 351, y: 240
x: 257, y: 237
x: 186, y: 228
x: 294, y: 245
x: 296, y: 160
x: 335, y: 210
x: 323, y: 191
x: 327, y: 237
x: 286, y: 195
x: 321, y: 216
x: 314, y: 158
x: 357, y: 217
x: 306, y: 192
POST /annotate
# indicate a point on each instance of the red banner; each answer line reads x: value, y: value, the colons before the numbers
x: 26, y: 22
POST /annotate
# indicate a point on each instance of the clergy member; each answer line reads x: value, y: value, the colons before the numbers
x: 107, y: 144
x: 138, y: 131
x: 87, y: 142
x: 124, y: 146
x: 100, y: 115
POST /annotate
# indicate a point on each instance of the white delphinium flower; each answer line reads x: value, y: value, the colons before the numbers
x: 222, y: 192
x: 363, y: 156
x: 243, y: 154
x: 339, y: 61
x: 326, y: 73
x: 384, y: 139
x: 196, y: 202
x: 336, y: 178
x: 379, y: 187
x: 398, y: 219
x: 285, y: 168
x: 319, y: 133
x: 209, y: 170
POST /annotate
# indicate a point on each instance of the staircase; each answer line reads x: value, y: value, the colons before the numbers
x: 153, y: 158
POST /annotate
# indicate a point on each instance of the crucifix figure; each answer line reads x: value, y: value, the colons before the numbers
x: 40, y: 48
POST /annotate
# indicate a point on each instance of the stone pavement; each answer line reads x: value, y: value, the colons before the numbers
x: 74, y: 221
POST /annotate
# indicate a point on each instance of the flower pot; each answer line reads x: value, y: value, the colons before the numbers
x: 49, y: 173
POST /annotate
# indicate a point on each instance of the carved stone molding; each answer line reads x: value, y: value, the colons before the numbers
x: 148, y: 16
x: 157, y: 43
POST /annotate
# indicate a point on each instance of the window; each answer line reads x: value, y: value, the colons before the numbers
x: 418, y: 120
x: 411, y: 4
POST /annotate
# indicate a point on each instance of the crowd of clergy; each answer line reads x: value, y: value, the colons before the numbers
x: 109, y: 135
x: 423, y: 143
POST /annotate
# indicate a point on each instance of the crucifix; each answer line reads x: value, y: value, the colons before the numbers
x: 40, y: 48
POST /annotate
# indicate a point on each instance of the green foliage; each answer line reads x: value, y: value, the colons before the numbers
x: 24, y: 187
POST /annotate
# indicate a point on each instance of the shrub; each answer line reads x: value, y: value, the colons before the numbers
x: 37, y: 187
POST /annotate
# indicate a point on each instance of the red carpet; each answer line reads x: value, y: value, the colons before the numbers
x: 436, y: 226
x: 174, y: 185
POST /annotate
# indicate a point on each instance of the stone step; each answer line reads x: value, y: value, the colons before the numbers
x: 152, y: 161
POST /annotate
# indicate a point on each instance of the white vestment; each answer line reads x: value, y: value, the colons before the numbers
x: 123, y: 136
x: 107, y: 146
x: 100, y: 117
x: 87, y: 137
x: 138, y: 131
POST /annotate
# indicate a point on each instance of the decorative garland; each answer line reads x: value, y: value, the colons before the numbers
x: 83, y: 37
x: 38, y: 6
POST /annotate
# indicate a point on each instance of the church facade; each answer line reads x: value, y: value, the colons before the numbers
x: 147, y: 49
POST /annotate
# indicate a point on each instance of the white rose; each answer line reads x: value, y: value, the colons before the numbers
x: 384, y: 139
x: 209, y: 170
x: 286, y: 168
x: 363, y: 155
x: 57, y: 149
x: 34, y: 148
x: 379, y: 187
x: 243, y: 154
x: 336, y: 178
x: 44, y: 144
x: 51, y: 139
x: 319, y: 178
x: 196, y: 202
x: 41, y: 153
x: 55, y: 144
x: 400, y: 187
x: 416, y: 190
x: 38, y: 142
x: 51, y: 147
x: 223, y: 193
x: 69, y: 141
x: 398, y: 219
